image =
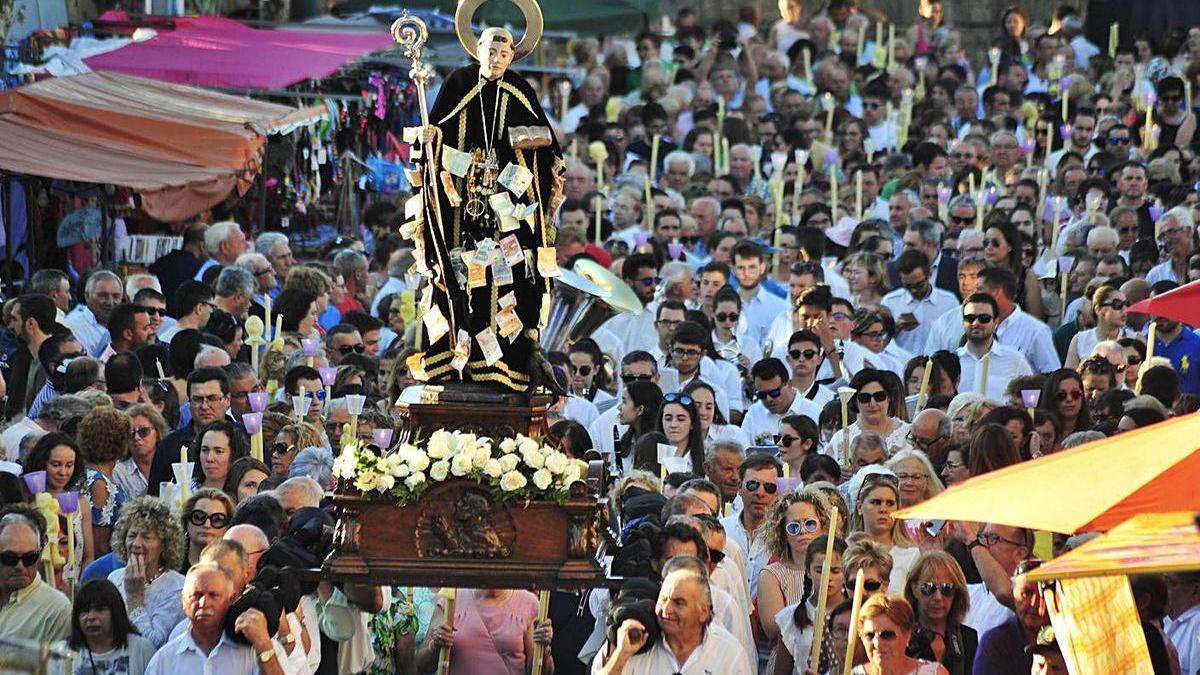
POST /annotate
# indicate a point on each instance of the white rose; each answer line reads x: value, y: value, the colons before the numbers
x: 556, y: 462
x: 414, y: 480
x: 571, y: 474
x: 439, y: 445
x: 482, y: 455
x: 512, y: 481
x: 386, y: 482
x: 509, y: 462
x: 533, y: 458
x: 508, y: 445
x: 492, y: 468
x: 527, y: 444
x: 400, y: 471
x: 542, y: 479
x: 366, y: 481
x: 419, y: 461
x: 461, y: 464
x: 439, y: 470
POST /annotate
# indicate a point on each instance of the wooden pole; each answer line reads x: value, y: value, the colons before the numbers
x: 848, y: 664
x: 539, y: 651
x: 814, y: 657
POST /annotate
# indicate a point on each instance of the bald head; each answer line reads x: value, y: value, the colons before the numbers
x: 253, y: 541
x: 926, y: 422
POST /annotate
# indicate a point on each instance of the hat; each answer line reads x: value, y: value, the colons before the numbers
x: 841, y: 231
x: 1045, y: 643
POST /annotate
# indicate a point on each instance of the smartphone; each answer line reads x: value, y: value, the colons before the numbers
x: 772, y: 450
x: 935, y: 527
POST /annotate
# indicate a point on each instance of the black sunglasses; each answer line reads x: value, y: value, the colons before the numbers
x: 153, y: 310
x: 864, y: 397
x: 716, y: 556
x: 768, y: 393
x: 983, y: 319
x: 727, y: 316
x: 753, y: 485
x: 929, y: 588
x: 583, y: 371
x: 281, y: 448
x: 805, y: 354
x: 10, y: 559
x: 215, y: 520
x: 869, y: 585
x: 357, y: 349
x: 627, y: 379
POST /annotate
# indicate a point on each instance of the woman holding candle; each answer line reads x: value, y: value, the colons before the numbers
x: 873, y: 409
x: 204, y: 518
x: 1063, y: 395
x: 491, y: 631
x: 57, y: 454
x: 150, y: 543
x: 104, y: 435
x: 793, y: 521
x: 221, y: 444
x: 937, y: 589
x: 245, y: 476
x: 679, y: 421
x: 1002, y: 248
x: 102, y: 634
x: 795, y: 621
x: 877, y: 499
x: 887, y: 628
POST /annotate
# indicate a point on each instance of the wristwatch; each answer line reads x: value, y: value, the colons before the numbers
x: 266, y: 655
x: 289, y: 639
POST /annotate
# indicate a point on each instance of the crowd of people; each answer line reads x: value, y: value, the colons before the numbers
x: 808, y: 213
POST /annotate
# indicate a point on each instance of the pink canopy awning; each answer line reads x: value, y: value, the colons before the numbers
x: 216, y: 52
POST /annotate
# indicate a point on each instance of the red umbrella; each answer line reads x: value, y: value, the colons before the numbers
x: 1181, y: 304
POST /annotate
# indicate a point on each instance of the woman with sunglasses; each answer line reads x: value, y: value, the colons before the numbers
x: 1135, y: 353
x: 795, y: 621
x: 1063, y: 395
x: 147, y: 428
x: 874, y: 504
x: 792, y: 522
x: 641, y: 402
x: 679, y: 421
x: 221, y: 444
x: 58, y: 455
x: 798, y: 438
x: 102, y: 634
x: 1109, y: 305
x: 713, y: 424
x: 1002, y: 248
x: 937, y: 589
x: 205, y: 517
x: 728, y: 339
x: 147, y: 539
x: 290, y: 440
x: 887, y: 628
x: 586, y: 379
x: 873, y: 409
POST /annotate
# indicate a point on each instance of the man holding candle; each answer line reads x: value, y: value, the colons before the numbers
x: 1082, y: 127
x: 986, y: 364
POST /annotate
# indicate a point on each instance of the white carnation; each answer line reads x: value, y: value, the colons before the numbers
x: 439, y: 470
x: 542, y: 479
x: 512, y: 481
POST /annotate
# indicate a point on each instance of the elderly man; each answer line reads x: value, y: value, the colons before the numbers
x: 235, y: 291
x: 900, y: 205
x: 1006, y: 647
x: 930, y: 433
x: 997, y: 551
x: 690, y: 644
x: 263, y: 271
x: 30, y: 609
x: 204, y: 647
x: 101, y: 294
x: 224, y: 242
x: 678, y: 169
x: 1174, y: 238
x: 275, y: 246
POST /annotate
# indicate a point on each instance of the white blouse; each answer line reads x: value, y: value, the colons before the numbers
x: 162, y: 605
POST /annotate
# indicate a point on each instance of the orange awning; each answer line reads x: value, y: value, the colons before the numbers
x: 1150, y: 543
x: 1096, y: 486
x: 184, y: 149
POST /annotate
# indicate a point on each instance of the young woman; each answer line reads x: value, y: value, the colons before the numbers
x: 205, y: 516
x: 1108, y: 304
x: 244, y: 478
x: 290, y: 440
x: 874, y: 504
x: 1063, y: 395
x: 102, y: 634
x: 937, y: 589
x: 1002, y: 248
x: 149, y: 541
x: 874, y: 410
x: 866, y: 274
x: 679, y: 421
x: 57, y: 454
x: 730, y: 342
x: 639, y: 411
x: 798, y: 438
x: 991, y: 448
x: 712, y: 422
x: 791, y: 524
x: 104, y: 435
x: 221, y: 444
x: 887, y: 627
x: 587, y: 380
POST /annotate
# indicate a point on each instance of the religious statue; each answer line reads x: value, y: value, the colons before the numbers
x: 490, y: 178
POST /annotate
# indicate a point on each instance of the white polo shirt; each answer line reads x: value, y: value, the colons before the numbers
x: 719, y: 653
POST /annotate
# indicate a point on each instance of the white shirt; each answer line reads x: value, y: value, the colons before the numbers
x: 1056, y: 157
x: 181, y: 656
x: 162, y: 605
x: 1185, y: 635
x: 87, y: 330
x: 946, y: 334
x: 1163, y: 271
x: 601, y: 431
x: 392, y: 285
x: 760, y: 312
x: 580, y: 410
x: 986, y: 611
x: 719, y: 653
x: 727, y: 432
x: 10, y: 440
x: 635, y: 331
x: 926, y: 310
x: 1004, y: 364
x: 1030, y: 337
x: 729, y: 615
x: 759, y: 421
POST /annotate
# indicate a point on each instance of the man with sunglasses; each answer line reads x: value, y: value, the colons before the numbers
x: 1015, y: 328
x: 55, y: 354
x: 30, y: 609
x: 342, y: 340
x: 776, y: 398
x: 759, y: 489
x: 979, y: 313
x: 918, y: 303
x: 805, y: 357
x: 637, y: 331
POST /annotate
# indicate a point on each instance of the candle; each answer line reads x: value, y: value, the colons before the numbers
x: 808, y: 70
x: 266, y: 315
x: 277, y: 343
x: 924, y: 391
x: 1113, y: 37
x: 827, y: 101
x: 564, y: 91
x: 878, y: 56
x: 786, y: 469
x: 724, y: 155
x: 833, y: 191
x: 980, y: 203
x: 858, y: 195
x: 654, y: 143
x: 444, y: 656
x: 855, y: 606
x: 649, y: 196
x: 983, y: 375
x: 599, y: 208
x: 1058, y: 204
x: 1066, y: 278
x: 891, y: 49
x: 862, y: 39
x: 538, y: 649
x: 1066, y: 102
x: 1147, y: 133
x: 845, y: 394
x: 814, y: 657
x: 995, y: 55
x: 1149, y: 355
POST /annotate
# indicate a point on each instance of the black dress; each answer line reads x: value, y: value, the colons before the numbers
x: 959, y: 655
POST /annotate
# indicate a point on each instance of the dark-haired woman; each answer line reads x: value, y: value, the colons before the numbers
x: 1063, y: 395
x: 58, y: 455
x: 638, y: 411
x: 102, y: 634
x: 679, y: 421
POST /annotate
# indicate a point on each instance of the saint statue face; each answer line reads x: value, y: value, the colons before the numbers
x: 495, y: 52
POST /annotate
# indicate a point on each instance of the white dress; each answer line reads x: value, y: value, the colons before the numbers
x: 797, y: 641
x: 895, y: 441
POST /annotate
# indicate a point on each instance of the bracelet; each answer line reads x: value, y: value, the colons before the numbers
x: 289, y: 639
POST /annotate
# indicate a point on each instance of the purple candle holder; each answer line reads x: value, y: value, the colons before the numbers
x: 1064, y: 131
x: 1065, y: 263
x: 788, y: 484
x: 258, y: 400
x: 1030, y: 397
x: 328, y: 375
x: 68, y: 502
x: 944, y: 193
x: 1156, y: 211
x: 831, y: 157
x: 641, y: 238
x: 35, y: 481
x: 253, y: 422
x: 1027, y: 147
x: 310, y: 346
x: 675, y: 250
x: 992, y: 196
x: 383, y: 437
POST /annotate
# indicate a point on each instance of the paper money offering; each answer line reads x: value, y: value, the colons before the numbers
x: 502, y: 204
x: 525, y: 212
x: 501, y: 273
x: 489, y: 345
x: 456, y: 161
x: 462, y: 351
x: 415, y: 177
x: 448, y: 187
x: 547, y: 262
x: 513, y: 255
x: 436, y: 325
x: 516, y: 178
x: 509, y: 324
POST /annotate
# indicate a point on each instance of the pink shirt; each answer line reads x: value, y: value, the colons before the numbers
x: 491, y: 638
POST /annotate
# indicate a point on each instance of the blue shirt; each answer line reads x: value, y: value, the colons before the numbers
x: 1184, y: 353
x: 101, y: 567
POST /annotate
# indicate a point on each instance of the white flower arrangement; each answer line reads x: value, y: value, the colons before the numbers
x: 520, y: 468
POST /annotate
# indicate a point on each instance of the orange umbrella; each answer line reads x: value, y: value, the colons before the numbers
x: 1180, y: 304
x: 1149, y: 543
x: 1096, y: 486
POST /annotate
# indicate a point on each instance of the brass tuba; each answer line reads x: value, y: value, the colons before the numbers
x: 581, y: 300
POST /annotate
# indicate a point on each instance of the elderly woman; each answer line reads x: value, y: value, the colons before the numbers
x: 204, y: 518
x: 150, y: 543
x: 147, y: 428
x: 876, y: 410
x: 918, y: 480
x: 887, y: 627
x: 937, y: 589
x: 104, y: 435
x: 791, y: 524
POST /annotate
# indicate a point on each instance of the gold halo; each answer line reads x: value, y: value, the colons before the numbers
x: 534, y: 24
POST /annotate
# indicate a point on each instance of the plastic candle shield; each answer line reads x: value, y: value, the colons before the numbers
x: 258, y: 401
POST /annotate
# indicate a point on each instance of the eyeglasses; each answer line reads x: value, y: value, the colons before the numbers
x: 210, y: 400
x: 681, y: 353
x: 1134, y: 360
x: 716, y: 556
x: 357, y: 349
x: 768, y: 393
x: 281, y: 448
x: 873, y: 334
x: 754, y: 485
x: 676, y: 397
x: 923, y: 443
x: 929, y: 588
x: 319, y: 394
x: 787, y: 439
x: 962, y: 220
x: 142, y: 432
x: 864, y: 397
x: 1119, y: 141
x: 992, y: 243
x: 990, y: 539
x: 805, y: 354
x: 10, y: 559
x: 268, y: 270
x: 214, y: 520
x: 885, y: 635
x: 869, y: 585
x: 1074, y: 395
x: 582, y: 371
x: 840, y: 316
x: 650, y: 281
x: 795, y: 527
x: 627, y: 379
x: 727, y: 316
x: 954, y: 466
x: 982, y: 319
